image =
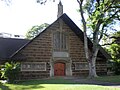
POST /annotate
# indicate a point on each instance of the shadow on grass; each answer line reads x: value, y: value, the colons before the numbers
x: 4, y: 87
x: 37, y: 84
x: 33, y: 84
x: 19, y: 86
x: 29, y: 87
x: 66, y: 81
x: 46, y: 81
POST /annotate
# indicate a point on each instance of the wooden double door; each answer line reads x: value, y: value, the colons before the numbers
x: 59, y: 69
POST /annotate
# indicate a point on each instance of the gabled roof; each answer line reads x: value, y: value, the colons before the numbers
x: 8, y: 46
x: 102, y: 53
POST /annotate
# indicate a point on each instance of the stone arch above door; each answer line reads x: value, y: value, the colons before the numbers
x: 67, y: 66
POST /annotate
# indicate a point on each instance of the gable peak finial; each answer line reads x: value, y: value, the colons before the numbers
x: 60, y: 9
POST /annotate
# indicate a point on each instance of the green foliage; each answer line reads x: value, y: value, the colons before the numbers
x: 116, y: 38
x: 117, y: 34
x: 35, y: 30
x: 10, y: 71
x: 114, y: 50
x: 116, y: 67
x: 102, y: 16
x: 115, y: 47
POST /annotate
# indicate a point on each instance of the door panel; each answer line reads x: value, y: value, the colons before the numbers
x: 59, y: 69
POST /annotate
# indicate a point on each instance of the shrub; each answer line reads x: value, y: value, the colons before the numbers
x: 116, y: 67
x: 10, y: 71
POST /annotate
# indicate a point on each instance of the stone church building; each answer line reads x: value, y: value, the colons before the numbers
x: 56, y: 51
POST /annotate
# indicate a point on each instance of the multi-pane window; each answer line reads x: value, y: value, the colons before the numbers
x: 81, y: 66
x: 33, y: 66
x: 60, y: 41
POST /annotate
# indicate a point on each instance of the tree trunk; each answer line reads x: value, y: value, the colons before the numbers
x: 95, y: 49
x: 92, y: 64
x: 91, y: 60
x: 85, y: 30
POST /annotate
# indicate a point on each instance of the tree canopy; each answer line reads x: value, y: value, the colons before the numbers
x: 35, y: 30
x: 114, y: 50
x: 102, y: 14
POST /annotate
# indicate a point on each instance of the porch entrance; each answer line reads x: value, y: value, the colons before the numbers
x: 59, y: 69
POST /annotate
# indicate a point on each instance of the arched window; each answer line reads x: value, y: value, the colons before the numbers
x: 60, y: 41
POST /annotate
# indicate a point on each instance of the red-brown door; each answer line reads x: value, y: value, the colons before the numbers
x: 59, y: 69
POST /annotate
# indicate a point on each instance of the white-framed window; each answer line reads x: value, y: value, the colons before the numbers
x: 81, y: 66
x: 60, y: 40
x: 33, y: 66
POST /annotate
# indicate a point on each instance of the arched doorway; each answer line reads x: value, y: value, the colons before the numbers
x: 59, y: 69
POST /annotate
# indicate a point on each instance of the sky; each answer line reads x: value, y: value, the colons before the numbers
x: 21, y: 15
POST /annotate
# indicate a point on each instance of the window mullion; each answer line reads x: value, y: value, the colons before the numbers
x: 60, y: 41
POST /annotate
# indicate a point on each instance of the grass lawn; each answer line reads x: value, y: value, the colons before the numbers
x: 53, y: 84
x: 111, y: 79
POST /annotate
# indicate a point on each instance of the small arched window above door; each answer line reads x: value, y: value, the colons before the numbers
x: 60, y: 41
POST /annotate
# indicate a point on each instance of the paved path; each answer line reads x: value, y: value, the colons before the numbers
x: 93, y: 82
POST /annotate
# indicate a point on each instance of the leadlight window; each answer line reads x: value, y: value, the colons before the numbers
x: 33, y: 66
x: 60, y: 41
x: 81, y: 66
